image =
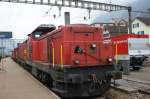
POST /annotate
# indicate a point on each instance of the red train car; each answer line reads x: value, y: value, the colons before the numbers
x: 133, y: 48
x: 78, y: 46
x: 33, y: 48
x: 37, y: 46
x: 78, y: 38
x: 22, y: 51
x: 43, y: 52
x: 15, y: 54
x: 72, y: 59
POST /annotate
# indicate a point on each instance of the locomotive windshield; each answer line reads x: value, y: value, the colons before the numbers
x: 37, y: 34
x: 42, y: 30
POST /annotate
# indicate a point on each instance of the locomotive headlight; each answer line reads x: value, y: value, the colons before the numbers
x: 110, y: 59
x: 93, y: 46
x: 77, y: 62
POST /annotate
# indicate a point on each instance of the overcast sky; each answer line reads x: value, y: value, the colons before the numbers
x: 22, y: 19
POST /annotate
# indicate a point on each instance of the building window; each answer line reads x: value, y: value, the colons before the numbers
x: 141, y: 32
x: 136, y: 25
x: 133, y: 26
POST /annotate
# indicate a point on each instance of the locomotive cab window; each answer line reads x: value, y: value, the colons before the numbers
x: 37, y: 34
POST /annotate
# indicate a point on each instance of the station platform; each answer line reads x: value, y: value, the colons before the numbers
x: 16, y: 83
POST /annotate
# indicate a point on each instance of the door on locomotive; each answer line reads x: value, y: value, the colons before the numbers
x: 34, y: 42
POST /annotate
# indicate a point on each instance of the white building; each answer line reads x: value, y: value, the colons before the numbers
x: 141, y: 25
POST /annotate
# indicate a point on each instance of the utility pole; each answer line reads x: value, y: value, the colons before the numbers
x: 130, y: 20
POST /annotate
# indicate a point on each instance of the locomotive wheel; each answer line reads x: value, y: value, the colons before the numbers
x: 47, y: 80
x: 39, y: 75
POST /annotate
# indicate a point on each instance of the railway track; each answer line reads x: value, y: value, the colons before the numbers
x: 126, y: 85
x: 129, y: 88
x: 133, y: 85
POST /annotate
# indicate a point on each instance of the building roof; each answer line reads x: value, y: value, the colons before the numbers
x: 145, y: 20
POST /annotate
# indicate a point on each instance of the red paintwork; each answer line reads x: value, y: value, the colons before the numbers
x: 22, y: 51
x: 82, y: 35
x: 43, y: 56
x: 15, y: 53
x: 69, y: 37
x: 122, y: 42
x: 33, y: 49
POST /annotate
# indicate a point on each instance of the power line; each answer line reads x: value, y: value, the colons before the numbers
x: 74, y: 4
x: 145, y: 12
x: 79, y: 4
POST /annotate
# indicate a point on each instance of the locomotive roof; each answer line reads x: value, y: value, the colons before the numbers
x: 63, y: 26
x: 69, y: 25
x: 44, y: 27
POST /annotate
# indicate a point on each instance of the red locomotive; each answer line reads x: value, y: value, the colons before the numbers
x: 22, y: 51
x: 131, y: 49
x: 72, y: 59
x: 15, y: 54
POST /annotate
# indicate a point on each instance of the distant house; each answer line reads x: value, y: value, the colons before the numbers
x: 141, y: 25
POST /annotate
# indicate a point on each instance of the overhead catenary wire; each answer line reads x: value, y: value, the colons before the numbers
x: 145, y: 12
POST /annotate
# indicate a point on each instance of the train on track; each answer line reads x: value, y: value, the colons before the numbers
x: 72, y: 59
x: 131, y: 50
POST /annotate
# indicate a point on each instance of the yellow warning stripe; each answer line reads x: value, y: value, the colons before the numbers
x: 116, y: 54
x: 53, y: 56
x: 61, y: 57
